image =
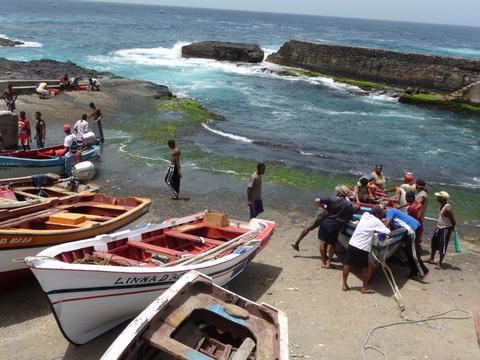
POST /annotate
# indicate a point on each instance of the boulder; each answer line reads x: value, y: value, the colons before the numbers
x: 469, y: 94
x: 8, y: 42
x: 224, y: 51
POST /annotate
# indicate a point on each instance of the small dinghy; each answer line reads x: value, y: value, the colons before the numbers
x: 27, y: 230
x: 196, y: 319
x: 46, y: 160
x: 30, y: 190
x: 96, y: 284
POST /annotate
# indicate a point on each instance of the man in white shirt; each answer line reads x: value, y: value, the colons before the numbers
x: 94, y: 84
x: 71, y: 147
x: 81, y: 127
x: 360, y: 245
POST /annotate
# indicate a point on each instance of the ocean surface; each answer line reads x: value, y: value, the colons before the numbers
x: 304, y: 124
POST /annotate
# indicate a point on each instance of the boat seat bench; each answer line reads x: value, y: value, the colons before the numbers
x: 190, y: 237
x: 122, y: 260
x: 155, y: 249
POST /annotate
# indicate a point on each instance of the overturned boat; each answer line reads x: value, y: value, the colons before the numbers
x: 46, y: 160
x: 196, y: 319
x: 96, y: 284
x: 27, y: 230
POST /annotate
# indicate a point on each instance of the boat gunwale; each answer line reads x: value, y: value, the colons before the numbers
x: 22, y: 162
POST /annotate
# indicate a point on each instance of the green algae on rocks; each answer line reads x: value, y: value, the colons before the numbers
x: 439, y: 101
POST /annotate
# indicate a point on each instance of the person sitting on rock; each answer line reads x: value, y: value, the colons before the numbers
x: 10, y: 96
x: 42, y: 90
x: 64, y: 82
x: 94, y: 84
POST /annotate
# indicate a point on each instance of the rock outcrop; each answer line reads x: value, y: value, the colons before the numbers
x: 8, y: 42
x: 468, y: 94
x: 43, y: 69
x: 224, y: 51
x: 438, y: 73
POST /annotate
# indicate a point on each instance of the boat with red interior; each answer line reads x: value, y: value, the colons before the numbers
x: 27, y: 230
x: 96, y: 284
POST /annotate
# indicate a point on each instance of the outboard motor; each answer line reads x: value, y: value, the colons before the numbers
x: 84, y: 171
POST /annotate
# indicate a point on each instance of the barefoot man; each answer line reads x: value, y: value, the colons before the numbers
x: 172, y: 179
x: 339, y: 212
x: 360, y: 245
x: 312, y: 224
x: 445, y: 226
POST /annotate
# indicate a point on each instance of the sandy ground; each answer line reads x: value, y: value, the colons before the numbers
x: 324, y: 321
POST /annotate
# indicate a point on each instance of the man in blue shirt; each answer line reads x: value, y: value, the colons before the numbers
x: 398, y: 218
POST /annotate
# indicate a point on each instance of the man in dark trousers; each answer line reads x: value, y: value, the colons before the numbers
x: 172, y: 179
x: 339, y: 212
x: 254, y: 191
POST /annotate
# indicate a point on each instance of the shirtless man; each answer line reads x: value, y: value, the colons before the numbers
x: 96, y: 112
x: 10, y: 96
x: 172, y: 179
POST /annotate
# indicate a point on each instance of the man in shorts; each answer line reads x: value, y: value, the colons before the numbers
x: 360, y: 245
x: 445, y: 226
x: 254, y: 191
x: 312, y: 224
x: 339, y: 212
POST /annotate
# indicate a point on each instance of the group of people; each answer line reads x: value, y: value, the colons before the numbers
x: 381, y: 213
x: 67, y: 84
x: 79, y: 129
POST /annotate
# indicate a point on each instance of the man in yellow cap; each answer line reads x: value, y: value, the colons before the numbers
x: 445, y: 225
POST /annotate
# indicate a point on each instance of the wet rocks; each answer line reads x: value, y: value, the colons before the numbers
x: 468, y: 94
x: 8, y: 42
x: 229, y: 51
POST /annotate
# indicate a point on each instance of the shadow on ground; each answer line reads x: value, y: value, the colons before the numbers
x: 255, y: 280
x: 23, y: 302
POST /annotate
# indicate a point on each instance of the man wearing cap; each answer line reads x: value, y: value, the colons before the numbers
x: 71, y: 147
x: 398, y: 218
x: 409, y: 184
x: 445, y: 225
x: 422, y: 201
x: 339, y: 212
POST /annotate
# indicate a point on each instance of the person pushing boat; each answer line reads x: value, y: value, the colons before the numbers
x: 311, y: 225
x: 172, y: 179
x: 71, y: 147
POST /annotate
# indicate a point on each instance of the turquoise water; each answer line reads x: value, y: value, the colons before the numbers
x: 301, y: 123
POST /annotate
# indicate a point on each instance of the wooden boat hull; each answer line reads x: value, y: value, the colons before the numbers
x: 106, y: 296
x: 196, y: 292
x: 11, y: 166
x: 382, y: 249
x: 18, y: 244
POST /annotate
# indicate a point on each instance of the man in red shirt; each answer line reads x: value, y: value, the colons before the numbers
x: 24, y: 133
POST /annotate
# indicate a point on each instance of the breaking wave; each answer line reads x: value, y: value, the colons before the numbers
x: 228, y: 135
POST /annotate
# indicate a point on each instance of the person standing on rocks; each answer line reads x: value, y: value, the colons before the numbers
x: 96, y: 112
x: 10, y: 96
x: 41, y: 130
x: 445, y: 226
x: 172, y: 179
x: 254, y: 191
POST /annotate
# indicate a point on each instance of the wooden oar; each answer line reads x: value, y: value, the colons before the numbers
x: 207, y: 255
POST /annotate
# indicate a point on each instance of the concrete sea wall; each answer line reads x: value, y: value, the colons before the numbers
x: 442, y: 74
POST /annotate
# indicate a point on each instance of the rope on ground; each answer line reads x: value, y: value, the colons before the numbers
x: 405, y: 321
x: 439, y: 316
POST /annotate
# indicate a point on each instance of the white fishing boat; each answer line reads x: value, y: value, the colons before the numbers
x: 96, y: 284
x: 196, y: 319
